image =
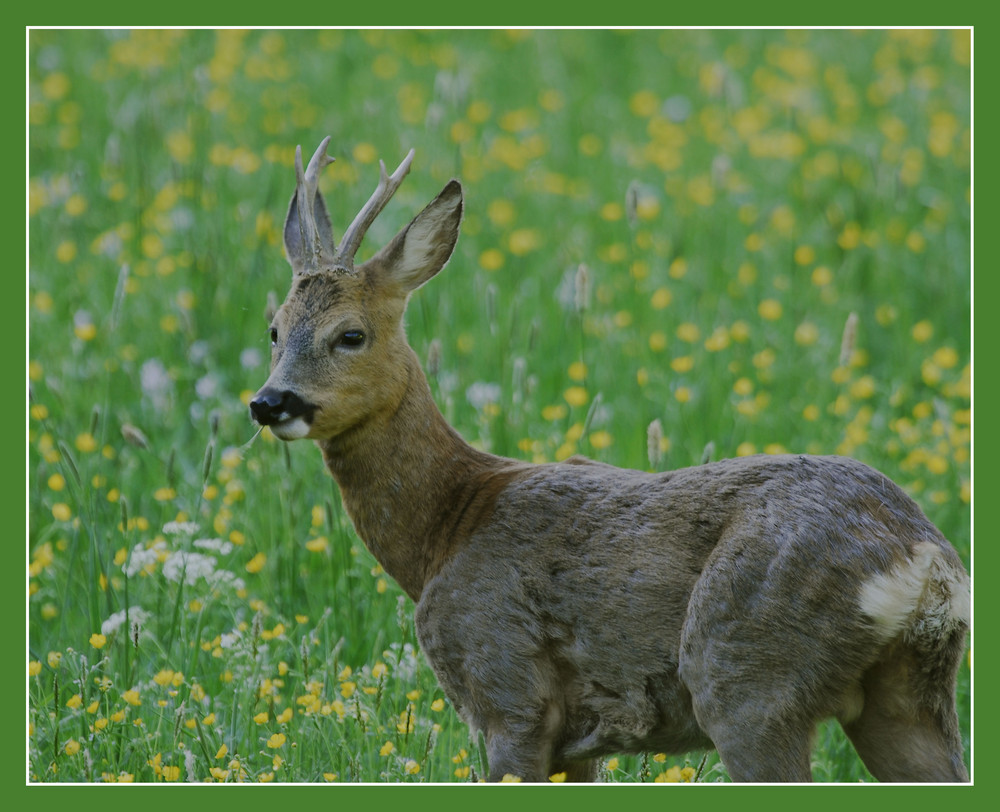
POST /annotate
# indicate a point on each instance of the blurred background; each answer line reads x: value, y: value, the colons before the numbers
x: 678, y: 245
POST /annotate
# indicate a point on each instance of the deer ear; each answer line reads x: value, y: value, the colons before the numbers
x: 297, y: 248
x: 423, y: 248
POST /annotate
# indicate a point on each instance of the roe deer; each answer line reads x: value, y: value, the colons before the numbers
x: 573, y: 610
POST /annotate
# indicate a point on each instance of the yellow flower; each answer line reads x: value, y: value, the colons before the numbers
x: 66, y: 252
x: 411, y: 767
x: 555, y: 412
x: 661, y: 298
x: 256, y: 564
x: 524, y: 240
x: 510, y: 779
x: 770, y: 309
x: 163, y: 677
x: 72, y: 747
x: 276, y: 741
x: 822, y: 276
x: 688, y: 332
x: 54, y: 658
x: 576, y: 396
x: 922, y: 331
x: 132, y: 697
x: 317, y: 545
x: 61, y: 512
x: 171, y: 773
x: 261, y: 717
x: 684, y: 363
x: 386, y: 749
x: 98, y: 640
x: 491, y: 260
x: 805, y: 255
x: 437, y: 705
x: 285, y: 716
x: 806, y: 334
x: 75, y: 701
x: 601, y: 439
x: 222, y: 751
x: 34, y: 668
x: 671, y: 776
x: 558, y: 778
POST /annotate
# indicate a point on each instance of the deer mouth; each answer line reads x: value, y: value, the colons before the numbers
x: 285, y: 413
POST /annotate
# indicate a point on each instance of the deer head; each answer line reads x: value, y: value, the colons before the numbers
x: 338, y: 351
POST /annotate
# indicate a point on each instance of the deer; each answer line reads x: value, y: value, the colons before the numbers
x: 574, y: 610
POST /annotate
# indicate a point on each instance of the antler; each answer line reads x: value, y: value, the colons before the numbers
x: 387, y: 186
x: 308, y: 235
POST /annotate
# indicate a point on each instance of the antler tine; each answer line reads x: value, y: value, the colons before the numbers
x: 387, y: 186
x: 319, y: 161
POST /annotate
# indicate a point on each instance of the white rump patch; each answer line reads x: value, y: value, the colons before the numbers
x: 924, y: 583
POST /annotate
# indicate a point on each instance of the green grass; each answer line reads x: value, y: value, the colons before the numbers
x: 733, y: 197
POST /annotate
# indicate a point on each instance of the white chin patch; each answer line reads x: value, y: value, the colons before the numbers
x: 294, y: 429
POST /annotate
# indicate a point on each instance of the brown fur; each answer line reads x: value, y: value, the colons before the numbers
x: 573, y: 610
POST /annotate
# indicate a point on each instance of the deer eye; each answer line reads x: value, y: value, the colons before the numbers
x: 352, y: 338
x: 274, y: 337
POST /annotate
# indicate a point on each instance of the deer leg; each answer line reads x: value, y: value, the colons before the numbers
x: 578, y: 772
x: 522, y: 746
x: 908, y: 728
x: 762, y: 746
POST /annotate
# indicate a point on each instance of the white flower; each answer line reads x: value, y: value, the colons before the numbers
x: 229, y: 639
x: 180, y: 529
x: 156, y: 382
x: 216, y: 545
x: 189, y: 566
x: 250, y: 358
x: 143, y: 557
x: 136, y: 614
x: 479, y: 394
x: 206, y: 386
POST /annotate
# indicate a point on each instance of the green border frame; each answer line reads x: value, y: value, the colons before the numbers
x: 517, y: 12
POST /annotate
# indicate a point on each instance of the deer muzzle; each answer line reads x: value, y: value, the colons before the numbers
x: 288, y: 416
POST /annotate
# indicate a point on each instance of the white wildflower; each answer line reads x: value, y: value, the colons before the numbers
x: 136, y: 614
x: 180, y: 528
x: 157, y: 385
x: 143, y: 558
x: 189, y: 566
x: 206, y: 386
x: 480, y: 394
x: 215, y: 545
x: 250, y: 358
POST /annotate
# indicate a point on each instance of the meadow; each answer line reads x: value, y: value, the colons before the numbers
x: 678, y: 246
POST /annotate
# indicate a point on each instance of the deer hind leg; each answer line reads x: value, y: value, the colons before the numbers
x: 756, y: 741
x: 523, y: 745
x: 752, y: 711
x: 908, y: 727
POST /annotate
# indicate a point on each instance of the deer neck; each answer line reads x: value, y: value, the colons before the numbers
x: 407, y: 478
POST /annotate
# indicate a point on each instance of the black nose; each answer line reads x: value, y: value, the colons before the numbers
x: 270, y: 407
